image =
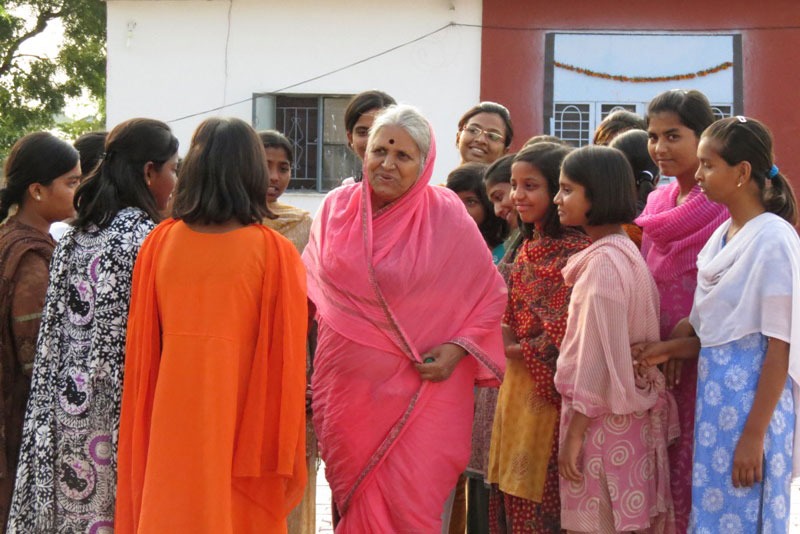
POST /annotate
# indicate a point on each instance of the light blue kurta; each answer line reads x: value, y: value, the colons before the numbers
x: 727, y: 379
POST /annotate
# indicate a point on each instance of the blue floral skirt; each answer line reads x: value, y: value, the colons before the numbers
x: 727, y: 377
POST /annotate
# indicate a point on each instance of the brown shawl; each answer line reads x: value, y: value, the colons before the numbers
x: 16, y: 241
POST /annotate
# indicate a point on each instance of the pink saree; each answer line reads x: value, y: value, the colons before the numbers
x: 387, y: 289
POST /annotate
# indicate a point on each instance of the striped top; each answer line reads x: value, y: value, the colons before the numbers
x: 614, y: 304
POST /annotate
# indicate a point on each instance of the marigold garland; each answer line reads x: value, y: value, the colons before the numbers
x: 644, y: 79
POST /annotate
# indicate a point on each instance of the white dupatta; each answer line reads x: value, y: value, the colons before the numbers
x: 751, y: 285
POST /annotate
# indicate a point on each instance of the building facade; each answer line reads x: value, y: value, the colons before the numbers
x: 559, y: 68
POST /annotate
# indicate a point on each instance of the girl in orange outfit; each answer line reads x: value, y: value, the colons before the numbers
x: 212, y: 432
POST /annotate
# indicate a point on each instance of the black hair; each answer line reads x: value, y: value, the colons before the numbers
x: 469, y: 177
x: 275, y: 139
x: 633, y: 144
x: 691, y: 107
x: 490, y: 107
x: 363, y: 102
x: 547, y: 158
x: 744, y: 139
x: 118, y: 181
x: 91, y: 147
x: 37, y: 158
x: 544, y: 138
x: 615, y: 123
x: 607, y: 179
x: 499, y: 172
x: 223, y: 176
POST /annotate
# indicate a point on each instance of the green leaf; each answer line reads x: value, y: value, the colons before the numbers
x: 33, y: 90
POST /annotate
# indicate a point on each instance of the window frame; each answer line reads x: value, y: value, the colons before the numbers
x: 263, y: 118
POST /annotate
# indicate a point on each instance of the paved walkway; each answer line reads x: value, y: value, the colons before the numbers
x: 324, y: 513
x: 325, y: 518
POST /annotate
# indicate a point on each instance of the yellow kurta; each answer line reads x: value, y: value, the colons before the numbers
x: 522, y: 437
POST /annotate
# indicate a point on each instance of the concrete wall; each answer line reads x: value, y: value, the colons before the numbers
x: 168, y: 59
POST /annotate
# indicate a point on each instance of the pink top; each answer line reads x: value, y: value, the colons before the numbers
x: 614, y: 304
x: 672, y: 238
x: 409, y: 277
x: 624, y: 455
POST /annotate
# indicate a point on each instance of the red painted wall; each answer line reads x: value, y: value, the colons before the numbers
x: 512, y: 56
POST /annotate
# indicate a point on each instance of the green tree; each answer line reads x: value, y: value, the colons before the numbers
x: 33, y: 89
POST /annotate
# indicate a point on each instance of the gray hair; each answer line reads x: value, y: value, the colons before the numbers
x: 409, y: 119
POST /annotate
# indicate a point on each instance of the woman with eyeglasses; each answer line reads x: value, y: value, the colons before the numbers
x: 484, y: 133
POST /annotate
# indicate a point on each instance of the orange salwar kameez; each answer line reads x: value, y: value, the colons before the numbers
x: 213, y: 411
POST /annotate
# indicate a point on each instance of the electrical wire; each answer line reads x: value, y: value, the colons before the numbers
x: 590, y: 31
x: 323, y: 75
x: 227, y: 42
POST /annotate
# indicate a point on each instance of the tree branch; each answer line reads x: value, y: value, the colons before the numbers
x: 28, y: 55
x: 41, y: 23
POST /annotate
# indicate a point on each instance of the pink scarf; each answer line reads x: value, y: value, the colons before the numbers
x: 388, y: 289
x: 673, y: 235
x: 410, y: 278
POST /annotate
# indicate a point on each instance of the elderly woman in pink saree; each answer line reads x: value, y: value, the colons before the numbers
x: 406, y: 329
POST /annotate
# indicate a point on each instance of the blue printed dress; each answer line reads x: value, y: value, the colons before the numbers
x: 727, y: 379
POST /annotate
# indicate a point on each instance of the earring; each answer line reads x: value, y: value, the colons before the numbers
x: 739, y: 184
x: 38, y: 197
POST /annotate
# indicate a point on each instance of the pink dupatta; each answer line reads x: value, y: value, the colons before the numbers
x: 673, y: 235
x: 387, y: 289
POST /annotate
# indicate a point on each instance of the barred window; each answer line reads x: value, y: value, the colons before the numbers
x: 608, y: 109
x: 572, y: 123
x: 722, y: 110
x: 314, y: 125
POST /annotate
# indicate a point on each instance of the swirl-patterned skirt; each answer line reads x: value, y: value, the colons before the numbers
x: 625, y: 484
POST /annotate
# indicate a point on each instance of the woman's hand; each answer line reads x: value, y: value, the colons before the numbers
x: 748, y: 460
x: 672, y: 373
x: 647, y: 355
x: 514, y: 352
x: 570, y: 449
x: 511, y: 344
x: 441, y: 362
x: 671, y: 353
x: 568, y: 458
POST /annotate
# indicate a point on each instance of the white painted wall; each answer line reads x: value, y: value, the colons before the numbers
x: 168, y: 59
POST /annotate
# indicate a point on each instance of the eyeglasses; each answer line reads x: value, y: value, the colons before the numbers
x: 494, y: 137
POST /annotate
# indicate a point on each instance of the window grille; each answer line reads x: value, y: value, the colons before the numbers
x: 608, y: 109
x: 722, y: 110
x: 572, y: 123
x: 314, y: 125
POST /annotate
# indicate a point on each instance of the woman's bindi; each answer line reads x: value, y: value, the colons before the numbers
x: 391, y: 141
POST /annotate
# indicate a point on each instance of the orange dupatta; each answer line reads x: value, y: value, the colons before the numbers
x: 270, y: 440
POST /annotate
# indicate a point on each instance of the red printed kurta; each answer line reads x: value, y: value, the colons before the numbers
x: 523, y: 458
